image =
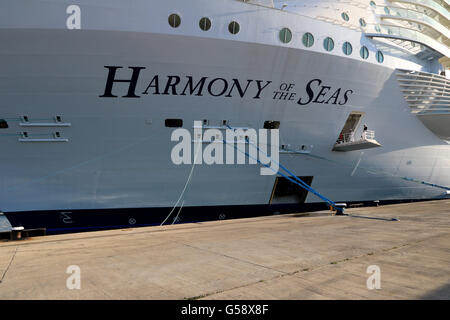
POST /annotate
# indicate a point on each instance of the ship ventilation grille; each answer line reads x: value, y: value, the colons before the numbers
x: 425, y: 92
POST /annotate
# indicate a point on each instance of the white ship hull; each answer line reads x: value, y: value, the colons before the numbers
x: 117, y: 153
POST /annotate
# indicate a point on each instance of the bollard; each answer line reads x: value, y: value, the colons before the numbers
x: 340, y: 208
x: 16, y: 233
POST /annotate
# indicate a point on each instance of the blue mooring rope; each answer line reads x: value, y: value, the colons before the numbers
x: 297, y: 180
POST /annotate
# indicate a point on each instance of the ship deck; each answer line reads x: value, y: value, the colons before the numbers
x: 314, y: 256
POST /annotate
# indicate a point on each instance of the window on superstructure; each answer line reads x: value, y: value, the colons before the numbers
x: 386, y: 10
x: 377, y: 28
x: 308, y: 39
x: 285, y: 35
x: 345, y: 16
x: 328, y: 44
x: 233, y: 27
x: 380, y: 56
x: 362, y: 22
x: 364, y: 52
x: 373, y: 4
x: 174, y: 20
x: 205, y: 24
x: 347, y: 48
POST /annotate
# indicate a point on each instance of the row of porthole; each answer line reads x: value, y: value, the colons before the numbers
x: 373, y: 5
x: 233, y: 27
x: 285, y: 37
x: 345, y: 17
x: 362, y: 22
x: 328, y: 44
x: 204, y: 23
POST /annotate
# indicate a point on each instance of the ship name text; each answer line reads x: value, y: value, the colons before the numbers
x: 316, y: 91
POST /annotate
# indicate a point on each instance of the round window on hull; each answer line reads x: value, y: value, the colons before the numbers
x: 362, y: 22
x: 364, y: 52
x: 380, y: 57
x: 345, y: 16
x: 174, y: 20
x: 234, y: 27
x: 347, y: 48
x: 285, y: 35
x: 308, y: 40
x: 328, y: 44
x: 205, y: 24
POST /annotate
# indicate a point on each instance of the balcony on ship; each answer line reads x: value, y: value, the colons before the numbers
x: 420, y: 27
x: 348, y: 141
x: 428, y: 96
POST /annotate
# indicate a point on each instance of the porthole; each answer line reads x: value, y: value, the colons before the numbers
x: 233, y: 27
x: 386, y: 10
x: 174, y: 20
x: 373, y: 4
x: 362, y: 22
x: 328, y: 44
x: 345, y: 16
x: 308, y: 39
x: 285, y: 35
x: 174, y: 123
x: 205, y: 24
x: 380, y: 57
x: 3, y: 124
x: 347, y: 48
x: 364, y: 52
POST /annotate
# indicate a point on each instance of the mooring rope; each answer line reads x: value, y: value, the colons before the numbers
x: 294, y: 179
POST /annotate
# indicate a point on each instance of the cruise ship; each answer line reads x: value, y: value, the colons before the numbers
x: 93, y: 90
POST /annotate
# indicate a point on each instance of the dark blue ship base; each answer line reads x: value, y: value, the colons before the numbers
x: 70, y: 221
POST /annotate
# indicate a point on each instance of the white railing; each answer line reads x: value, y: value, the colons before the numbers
x: 403, y: 33
x: 407, y: 14
x: 350, y: 137
x: 424, y: 92
x: 368, y: 135
x: 427, y: 4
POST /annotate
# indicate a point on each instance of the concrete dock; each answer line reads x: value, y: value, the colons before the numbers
x: 294, y: 256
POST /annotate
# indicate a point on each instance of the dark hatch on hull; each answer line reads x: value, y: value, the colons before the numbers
x: 285, y: 191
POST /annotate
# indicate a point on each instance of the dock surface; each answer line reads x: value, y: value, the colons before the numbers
x: 293, y: 256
